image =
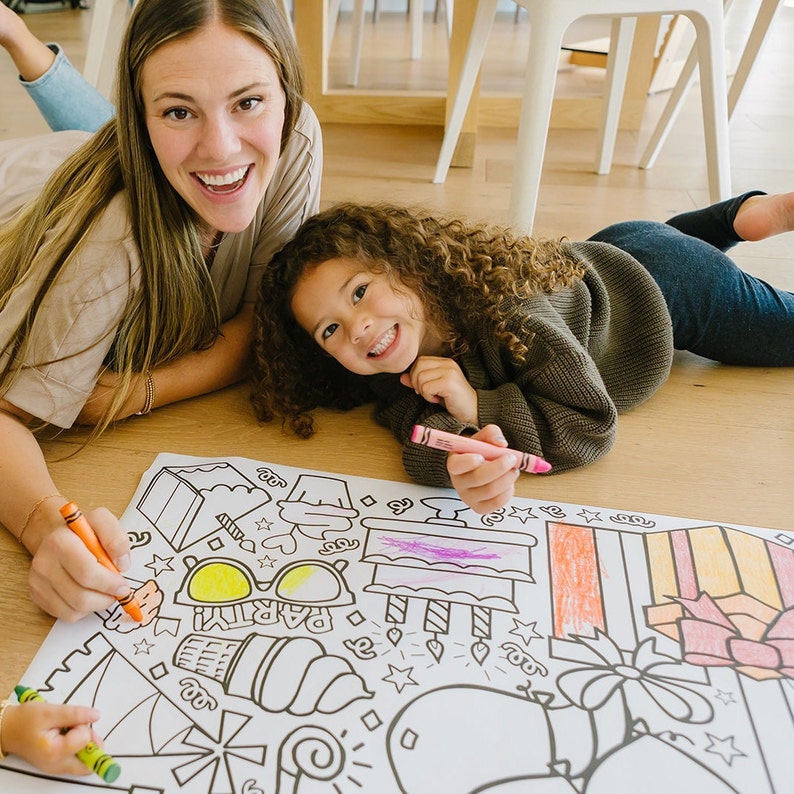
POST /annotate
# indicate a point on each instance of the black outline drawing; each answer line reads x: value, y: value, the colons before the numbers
x: 311, y: 632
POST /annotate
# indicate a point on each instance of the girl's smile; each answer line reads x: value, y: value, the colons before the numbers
x: 384, y: 343
x: 364, y: 320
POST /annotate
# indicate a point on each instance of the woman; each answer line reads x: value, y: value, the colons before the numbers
x: 128, y: 274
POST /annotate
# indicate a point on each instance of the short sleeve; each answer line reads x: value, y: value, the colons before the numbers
x: 77, y: 322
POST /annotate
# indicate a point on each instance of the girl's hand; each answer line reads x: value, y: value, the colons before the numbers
x: 484, y: 485
x: 48, y: 735
x: 441, y: 380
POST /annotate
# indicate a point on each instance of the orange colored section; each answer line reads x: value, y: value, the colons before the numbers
x: 756, y: 575
x: 575, y: 587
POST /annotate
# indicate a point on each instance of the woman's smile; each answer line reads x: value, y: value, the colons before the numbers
x: 224, y: 184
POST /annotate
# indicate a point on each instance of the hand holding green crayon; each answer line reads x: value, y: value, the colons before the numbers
x: 93, y: 756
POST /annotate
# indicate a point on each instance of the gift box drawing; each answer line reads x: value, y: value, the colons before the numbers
x: 726, y: 596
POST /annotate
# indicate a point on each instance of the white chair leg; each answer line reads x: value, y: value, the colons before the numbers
x: 671, y: 110
x: 546, y: 32
x: 480, y: 30
x: 102, y: 16
x: 333, y: 17
x: 356, y: 41
x: 763, y: 20
x: 713, y: 84
x: 417, y: 17
x: 620, y: 43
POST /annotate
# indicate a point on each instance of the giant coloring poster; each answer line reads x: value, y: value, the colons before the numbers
x: 311, y: 633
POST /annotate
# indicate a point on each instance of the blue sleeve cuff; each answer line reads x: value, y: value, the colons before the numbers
x: 65, y: 99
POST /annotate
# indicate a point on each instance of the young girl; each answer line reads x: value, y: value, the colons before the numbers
x: 35, y: 731
x: 536, y: 345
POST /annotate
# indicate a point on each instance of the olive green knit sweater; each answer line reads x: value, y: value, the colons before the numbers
x: 595, y: 349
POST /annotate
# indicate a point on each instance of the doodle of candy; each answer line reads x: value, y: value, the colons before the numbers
x: 279, y: 674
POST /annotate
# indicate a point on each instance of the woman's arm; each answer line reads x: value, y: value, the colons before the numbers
x: 224, y: 363
x: 65, y: 578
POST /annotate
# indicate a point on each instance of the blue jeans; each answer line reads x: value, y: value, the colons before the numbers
x: 718, y: 311
x: 65, y: 99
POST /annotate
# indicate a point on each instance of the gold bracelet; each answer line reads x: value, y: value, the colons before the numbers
x: 33, y: 509
x: 149, y: 401
x: 3, y: 705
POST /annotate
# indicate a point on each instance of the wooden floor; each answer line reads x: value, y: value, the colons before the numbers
x: 716, y: 443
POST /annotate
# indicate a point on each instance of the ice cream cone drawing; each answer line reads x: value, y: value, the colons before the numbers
x: 278, y: 674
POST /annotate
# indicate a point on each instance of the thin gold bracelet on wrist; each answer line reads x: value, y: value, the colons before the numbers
x: 148, y: 403
x: 33, y: 510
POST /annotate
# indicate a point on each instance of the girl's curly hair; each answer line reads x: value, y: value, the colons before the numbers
x: 463, y: 272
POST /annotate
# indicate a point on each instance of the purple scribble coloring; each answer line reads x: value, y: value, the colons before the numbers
x: 436, y: 552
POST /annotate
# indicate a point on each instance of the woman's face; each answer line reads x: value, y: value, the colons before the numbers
x: 214, y: 110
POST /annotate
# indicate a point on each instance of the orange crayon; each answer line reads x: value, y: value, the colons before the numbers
x: 78, y: 523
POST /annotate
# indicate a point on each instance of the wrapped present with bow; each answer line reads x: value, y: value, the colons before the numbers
x: 726, y: 596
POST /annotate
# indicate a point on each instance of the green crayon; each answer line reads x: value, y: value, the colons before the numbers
x: 93, y: 756
x: 24, y: 694
x: 104, y: 765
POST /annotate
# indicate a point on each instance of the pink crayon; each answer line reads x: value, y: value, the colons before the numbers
x: 438, y: 439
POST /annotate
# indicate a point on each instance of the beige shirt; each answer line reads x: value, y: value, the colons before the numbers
x: 76, y: 326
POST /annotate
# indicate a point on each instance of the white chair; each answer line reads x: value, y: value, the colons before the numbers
x: 549, y: 19
x: 763, y: 20
x: 416, y: 11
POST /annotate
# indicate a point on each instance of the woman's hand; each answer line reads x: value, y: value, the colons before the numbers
x: 48, y: 735
x: 484, y: 485
x: 65, y: 578
x: 441, y: 380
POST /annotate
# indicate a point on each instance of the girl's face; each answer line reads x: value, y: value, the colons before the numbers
x: 214, y: 110
x: 360, y: 319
